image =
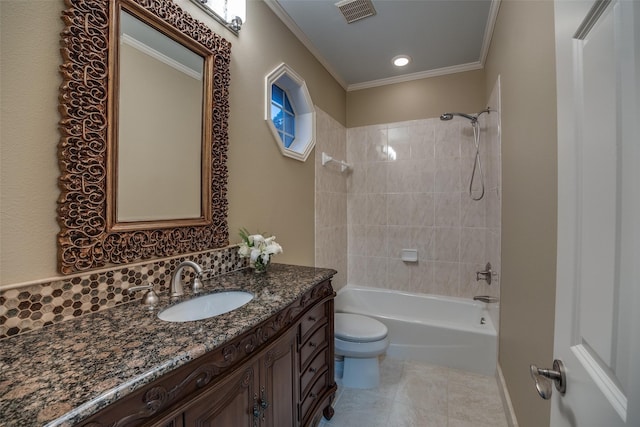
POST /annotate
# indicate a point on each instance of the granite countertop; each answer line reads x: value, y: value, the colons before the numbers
x: 63, y: 373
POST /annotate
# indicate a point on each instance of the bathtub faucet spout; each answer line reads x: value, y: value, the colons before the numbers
x: 486, y: 298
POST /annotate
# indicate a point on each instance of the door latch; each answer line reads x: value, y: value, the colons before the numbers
x: 544, y: 377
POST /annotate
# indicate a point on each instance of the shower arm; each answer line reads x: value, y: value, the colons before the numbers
x: 472, y: 118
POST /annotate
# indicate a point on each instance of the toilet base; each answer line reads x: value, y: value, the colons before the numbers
x: 338, y: 366
x: 361, y: 373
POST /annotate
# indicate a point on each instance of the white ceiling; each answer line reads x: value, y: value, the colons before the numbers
x: 441, y: 37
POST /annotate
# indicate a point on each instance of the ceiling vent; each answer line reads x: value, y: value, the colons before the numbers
x: 354, y: 10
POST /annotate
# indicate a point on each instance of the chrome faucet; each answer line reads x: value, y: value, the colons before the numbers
x: 176, y: 282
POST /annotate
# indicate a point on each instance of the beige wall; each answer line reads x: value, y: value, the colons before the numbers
x: 266, y: 191
x: 29, y: 52
x: 417, y: 99
x: 522, y: 53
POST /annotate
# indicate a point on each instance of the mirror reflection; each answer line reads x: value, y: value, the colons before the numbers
x: 160, y: 124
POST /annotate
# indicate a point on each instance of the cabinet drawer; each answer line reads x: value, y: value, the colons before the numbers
x: 316, y: 342
x: 314, y: 317
x: 316, y: 391
x: 314, y: 369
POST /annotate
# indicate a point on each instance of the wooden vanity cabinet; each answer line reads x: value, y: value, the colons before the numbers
x: 260, y: 394
x: 278, y: 374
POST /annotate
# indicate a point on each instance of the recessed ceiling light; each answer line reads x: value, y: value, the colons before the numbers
x: 401, y: 60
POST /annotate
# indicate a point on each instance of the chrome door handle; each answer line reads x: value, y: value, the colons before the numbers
x: 543, y: 378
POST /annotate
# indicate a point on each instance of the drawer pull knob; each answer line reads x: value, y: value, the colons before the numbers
x: 312, y: 344
x: 263, y: 401
x: 313, y: 395
x: 313, y: 370
x: 312, y: 319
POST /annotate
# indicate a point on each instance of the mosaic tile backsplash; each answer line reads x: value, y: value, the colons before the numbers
x: 36, y: 305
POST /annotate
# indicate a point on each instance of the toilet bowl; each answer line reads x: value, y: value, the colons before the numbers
x: 359, y: 340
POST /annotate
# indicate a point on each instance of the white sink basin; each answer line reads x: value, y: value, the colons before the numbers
x: 205, y: 306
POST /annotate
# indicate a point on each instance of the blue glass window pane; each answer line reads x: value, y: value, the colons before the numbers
x: 278, y: 120
x: 289, y: 124
x: 277, y: 95
x: 282, y: 115
x: 275, y: 111
x: 288, y: 140
x: 287, y: 104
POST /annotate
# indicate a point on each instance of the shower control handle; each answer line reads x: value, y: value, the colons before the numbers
x: 544, y: 377
x: 485, y: 274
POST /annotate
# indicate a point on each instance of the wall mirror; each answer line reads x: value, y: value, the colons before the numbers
x: 144, y: 106
x: 160, y: 140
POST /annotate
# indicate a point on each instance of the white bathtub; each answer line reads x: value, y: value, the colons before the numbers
x: 454, y: 332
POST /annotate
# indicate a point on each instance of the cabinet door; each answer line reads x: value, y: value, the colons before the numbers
x: 279, y: 382
x: 231, y: 403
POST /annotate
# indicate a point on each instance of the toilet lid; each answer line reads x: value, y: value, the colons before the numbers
x: 357, y: 328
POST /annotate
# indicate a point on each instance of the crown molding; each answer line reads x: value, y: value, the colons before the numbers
x: 486, y: 43
x: 488, y: 31
x: 416, y: 76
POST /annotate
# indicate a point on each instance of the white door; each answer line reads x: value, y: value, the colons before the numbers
x: 597, y: 331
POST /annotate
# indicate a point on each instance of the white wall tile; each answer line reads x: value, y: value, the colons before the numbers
x: 447, y: 209
x: 447, y: 244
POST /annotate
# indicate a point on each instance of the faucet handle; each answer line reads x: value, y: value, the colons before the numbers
x: 197, y: 284
x: 486, y: 274
x: 150, y: 299
x: 139, y: 288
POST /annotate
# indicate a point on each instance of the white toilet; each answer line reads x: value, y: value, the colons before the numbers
x: 360, y: 340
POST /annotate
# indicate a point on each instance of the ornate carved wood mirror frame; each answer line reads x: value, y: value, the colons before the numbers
x: 87, y: 239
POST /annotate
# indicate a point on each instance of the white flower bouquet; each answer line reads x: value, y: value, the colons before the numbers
x: 258, y: 249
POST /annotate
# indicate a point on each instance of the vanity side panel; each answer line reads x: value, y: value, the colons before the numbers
x: 317, y: 376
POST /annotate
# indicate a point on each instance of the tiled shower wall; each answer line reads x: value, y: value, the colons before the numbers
x: 331, y: 198
x: 408, y: 190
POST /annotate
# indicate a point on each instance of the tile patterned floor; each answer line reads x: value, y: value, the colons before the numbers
x: 413, y: 394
